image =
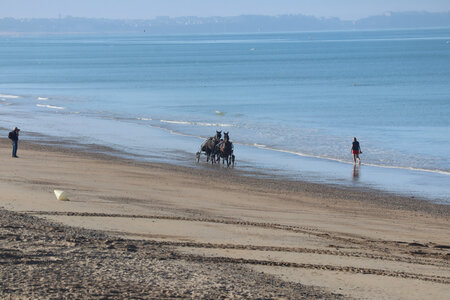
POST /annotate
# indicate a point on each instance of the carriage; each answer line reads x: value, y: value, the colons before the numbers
x: 216, y: 148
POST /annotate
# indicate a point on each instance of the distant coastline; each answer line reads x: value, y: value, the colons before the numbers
x: 217, y: 25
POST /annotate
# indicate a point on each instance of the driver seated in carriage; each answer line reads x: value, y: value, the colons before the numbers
x: 218, y: 145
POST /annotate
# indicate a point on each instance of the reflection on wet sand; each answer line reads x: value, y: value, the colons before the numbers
x: 355, y: 172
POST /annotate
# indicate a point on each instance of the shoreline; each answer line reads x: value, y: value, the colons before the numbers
x: 208, y: 230
x: 262, y: 161
x: 252, y: 177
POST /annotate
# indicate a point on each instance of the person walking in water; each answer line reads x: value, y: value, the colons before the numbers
x: 356, y: 151
x: 14, y: 137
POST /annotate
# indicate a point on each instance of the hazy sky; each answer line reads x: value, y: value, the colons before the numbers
x: 147, y: 9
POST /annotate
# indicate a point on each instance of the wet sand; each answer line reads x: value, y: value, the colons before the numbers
x: 147, y: 230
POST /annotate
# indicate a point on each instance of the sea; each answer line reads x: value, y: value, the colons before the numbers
x: 291, y: 102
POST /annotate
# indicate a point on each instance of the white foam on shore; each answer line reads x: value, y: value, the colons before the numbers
x: 43, y: 98
x: 50, y: 106
x: 213, y: 124
x: 260, y: 146
x: 9, y: 96
x: 442, y: 172
x: 205, y: 124
x: 265, y: 147
x: 176, y: 122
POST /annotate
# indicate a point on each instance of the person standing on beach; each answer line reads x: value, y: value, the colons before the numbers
x: 14, y: 137
x: 356, y: 151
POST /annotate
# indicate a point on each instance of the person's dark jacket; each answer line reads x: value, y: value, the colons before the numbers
x: 13, y: 136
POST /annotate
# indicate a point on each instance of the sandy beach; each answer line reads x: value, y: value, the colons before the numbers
x: 146, y: 230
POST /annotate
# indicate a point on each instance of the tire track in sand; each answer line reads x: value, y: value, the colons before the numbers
x: 362, y: 242
x: 346, y: 269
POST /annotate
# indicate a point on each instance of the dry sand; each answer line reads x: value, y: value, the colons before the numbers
x: 142, y: 230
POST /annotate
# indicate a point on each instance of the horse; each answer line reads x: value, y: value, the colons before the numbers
x: 226, y: 150
x: 209, y: 146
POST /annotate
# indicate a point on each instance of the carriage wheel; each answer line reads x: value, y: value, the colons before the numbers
x: 197, y: 155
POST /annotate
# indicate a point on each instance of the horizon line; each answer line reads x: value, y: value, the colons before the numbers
x: 384, y: 14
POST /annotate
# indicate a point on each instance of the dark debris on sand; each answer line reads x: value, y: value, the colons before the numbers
x: 43, y: 260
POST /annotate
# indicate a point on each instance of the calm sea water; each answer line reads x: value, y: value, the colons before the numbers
x: 292, y: 102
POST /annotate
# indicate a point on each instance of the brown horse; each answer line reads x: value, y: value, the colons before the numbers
x: 226, y: 150
x: 209, y: 146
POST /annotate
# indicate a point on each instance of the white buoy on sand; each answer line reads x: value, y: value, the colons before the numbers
x: 61, y: 195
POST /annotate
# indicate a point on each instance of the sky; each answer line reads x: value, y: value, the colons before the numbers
x: 148, y: 9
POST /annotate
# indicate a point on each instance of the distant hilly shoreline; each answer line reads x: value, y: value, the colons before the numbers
x: 211, y: 25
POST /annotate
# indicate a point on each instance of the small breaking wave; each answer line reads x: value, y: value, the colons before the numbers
x: 9, y: 96
x: 176, y: 122
x: 43, y: 98
x: 204, y: 124
x: 443, y: 172
x: 145, y: 119
x: 50, y: 106
x: 259, y: 145
x: 213, y: 124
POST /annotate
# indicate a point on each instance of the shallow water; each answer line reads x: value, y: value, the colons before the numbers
x: 291, y: 102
